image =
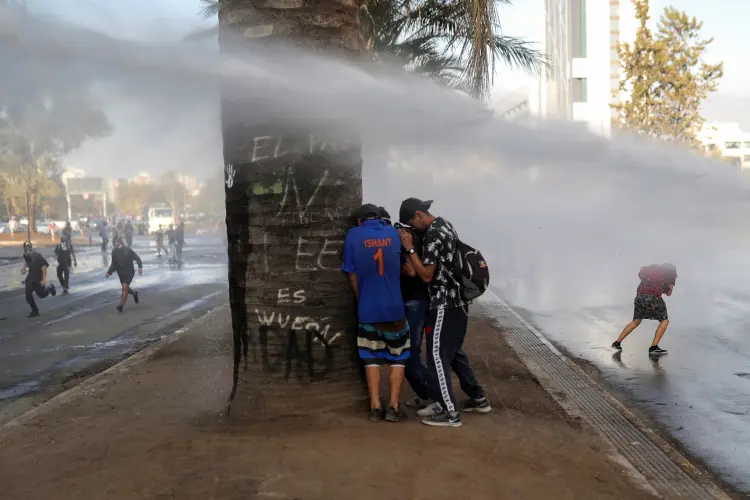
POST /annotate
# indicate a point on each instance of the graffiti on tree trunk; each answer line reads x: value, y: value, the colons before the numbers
x: 288, y: 198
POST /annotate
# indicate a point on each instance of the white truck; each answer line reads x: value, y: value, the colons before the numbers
x: 160, y: 215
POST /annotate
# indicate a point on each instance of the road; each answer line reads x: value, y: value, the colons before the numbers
x: 82, y: 332
x: 700, y: 392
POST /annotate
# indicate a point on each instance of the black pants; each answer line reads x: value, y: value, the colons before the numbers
x: 32, y: 287
x: 63, y: 274
x: 104, y: 244
x: 445, y: 331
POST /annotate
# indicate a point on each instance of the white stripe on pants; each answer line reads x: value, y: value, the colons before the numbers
x: 442, y: 382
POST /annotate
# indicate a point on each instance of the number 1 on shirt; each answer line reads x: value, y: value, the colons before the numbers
x: 379, y: 257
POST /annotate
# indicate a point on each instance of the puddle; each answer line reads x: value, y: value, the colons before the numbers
x: 18, y: 390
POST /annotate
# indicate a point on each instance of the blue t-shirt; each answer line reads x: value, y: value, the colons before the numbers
x: 373, y: 251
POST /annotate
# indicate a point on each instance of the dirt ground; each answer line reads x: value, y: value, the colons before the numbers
x: 156, y: 430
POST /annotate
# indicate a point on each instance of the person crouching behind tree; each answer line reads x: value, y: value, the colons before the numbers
x: 372, y: 259
x: 649, y: 304
x: 122, y: 262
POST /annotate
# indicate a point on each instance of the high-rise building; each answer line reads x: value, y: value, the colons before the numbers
x: 581, y: 40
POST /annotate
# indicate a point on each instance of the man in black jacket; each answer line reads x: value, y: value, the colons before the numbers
x: 36, y: 281
x: 65, y: 256
x: 122, y: 262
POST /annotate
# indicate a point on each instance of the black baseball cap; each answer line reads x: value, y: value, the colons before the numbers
x: 409, y: 208
x: 368, y: 211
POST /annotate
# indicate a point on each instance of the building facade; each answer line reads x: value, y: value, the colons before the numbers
x: 581, y: 40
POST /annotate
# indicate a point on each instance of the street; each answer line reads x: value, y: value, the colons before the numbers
x: 700, y: 392
x: 81, y: 333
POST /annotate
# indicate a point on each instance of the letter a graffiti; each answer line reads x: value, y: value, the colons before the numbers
x: 230, y: 176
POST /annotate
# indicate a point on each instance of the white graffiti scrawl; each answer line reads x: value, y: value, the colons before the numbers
x: 230, y: 176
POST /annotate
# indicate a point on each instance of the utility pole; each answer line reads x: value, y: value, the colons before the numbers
x: 28, y: 216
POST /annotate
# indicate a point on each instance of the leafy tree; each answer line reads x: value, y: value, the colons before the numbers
x: 666, y: 77
x: 133, y: 198
x: 46, y: 112
x: 456, y: 42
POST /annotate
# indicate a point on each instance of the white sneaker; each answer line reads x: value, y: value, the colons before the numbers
x: 430, y: 410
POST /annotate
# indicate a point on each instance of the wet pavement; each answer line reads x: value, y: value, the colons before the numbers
x: 83, y: 332
x: 700, y: 391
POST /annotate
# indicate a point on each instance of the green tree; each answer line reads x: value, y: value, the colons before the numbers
x: 133, y: 198
x: 46, y: 112
x: 666, y: 77
x: 456, y: 42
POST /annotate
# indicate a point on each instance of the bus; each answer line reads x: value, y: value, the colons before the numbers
x: 159, y: 214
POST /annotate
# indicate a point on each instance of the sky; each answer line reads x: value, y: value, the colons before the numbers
x: 167, y: 20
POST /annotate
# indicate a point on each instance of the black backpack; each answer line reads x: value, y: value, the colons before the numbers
x: 471, y: 271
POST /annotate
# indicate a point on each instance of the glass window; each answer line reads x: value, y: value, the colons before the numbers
x: 746, y: 145
x: 162, y: 212
x: 732, y: 145
x: 580, y: 90
x: 578, y: 27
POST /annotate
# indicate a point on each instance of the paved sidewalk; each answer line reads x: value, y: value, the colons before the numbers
x: 155, y: 429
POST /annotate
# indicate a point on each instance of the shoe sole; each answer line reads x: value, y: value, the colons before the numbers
x: 478, y: 410
x: 442, y: 424
x: 395, y: 419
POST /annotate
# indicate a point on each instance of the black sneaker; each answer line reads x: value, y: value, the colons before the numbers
x: 656, y: 350
x: 135, y: 296
x: 65, y: 291
x: 51, y: 289
x: 477, y: 405
x: 443, y: 419
x: 617, y: 345
x: 119, y: 308
x: 395, y: 415
x: 417, y: 403
x: 33, y: 314
x: 376, y: 415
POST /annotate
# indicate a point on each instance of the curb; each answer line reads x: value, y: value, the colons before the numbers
x: 99, y: 380
x: 574, y: 411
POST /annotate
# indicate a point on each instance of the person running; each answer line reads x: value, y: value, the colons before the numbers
x: 129, y: 233
x: 180, y: 241
x: 159, y: 236
x: 104, y: 234
x: 36, y: 280
x: 64, y: 252
x: 172, y: 242
x: 649, y: 303
x: 372, y: 259
x: 448, y: 317
x: 122, y: 262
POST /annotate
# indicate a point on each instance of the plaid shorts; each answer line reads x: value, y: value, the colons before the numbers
x: 650, y: 307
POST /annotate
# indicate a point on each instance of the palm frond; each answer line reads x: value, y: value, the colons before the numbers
x: 210, y: 8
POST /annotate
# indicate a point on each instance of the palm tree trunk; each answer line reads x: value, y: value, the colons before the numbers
x: 289, y: 192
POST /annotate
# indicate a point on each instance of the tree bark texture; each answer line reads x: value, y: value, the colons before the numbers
x: 290, y: 189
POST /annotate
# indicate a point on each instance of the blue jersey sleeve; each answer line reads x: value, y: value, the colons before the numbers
x: 349, y: 266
